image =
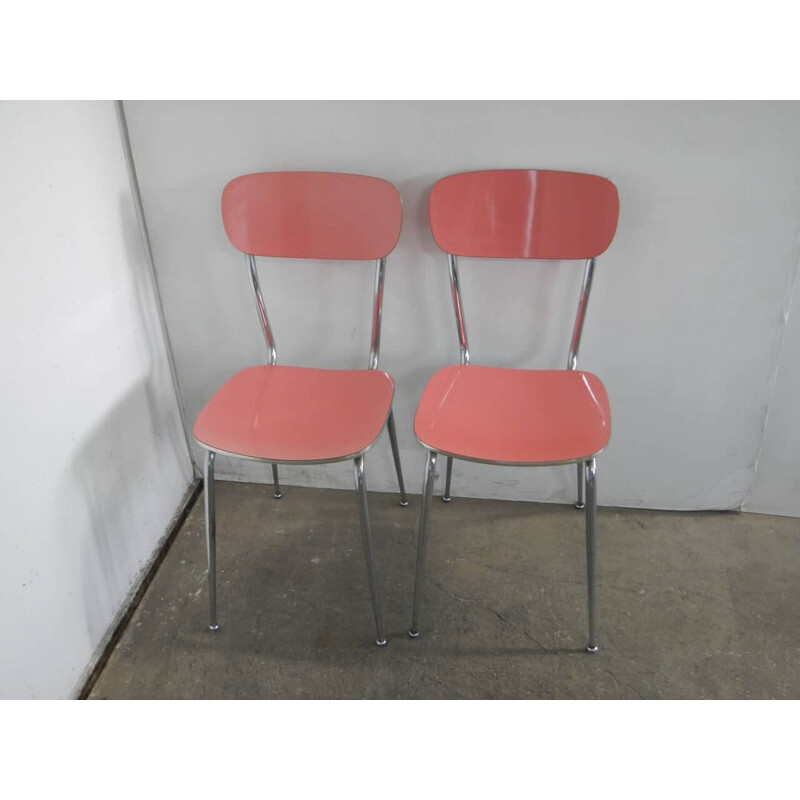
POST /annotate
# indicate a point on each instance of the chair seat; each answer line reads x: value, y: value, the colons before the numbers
x: 514, y: 416
x: 296, y: 414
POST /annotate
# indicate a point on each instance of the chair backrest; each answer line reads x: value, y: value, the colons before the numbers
x: 524, y: 213
x: 317, y: 215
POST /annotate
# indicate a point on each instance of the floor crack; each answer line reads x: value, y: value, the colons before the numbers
x: 499, y: 616
x: 621, y: 682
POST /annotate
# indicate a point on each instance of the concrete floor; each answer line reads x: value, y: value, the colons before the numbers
x: 691, y: 605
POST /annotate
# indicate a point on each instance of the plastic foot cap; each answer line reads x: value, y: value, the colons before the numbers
x: 278, y: 495
x: 214, y: 627
x: 446, y: 498
x: 579, y: 506
x: 381, y: 642
x: 413, y: 634
x: 592, y: 648
x: 404, y: 503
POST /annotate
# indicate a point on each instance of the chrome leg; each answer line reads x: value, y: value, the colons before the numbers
x: 366, y: 534
x: 591, y: 548
x: 396, y: 455
x: 211, y: 536
x: 276, y: 485
x: 422, y: 543
x: 446, y: 496
x: 581, y: 483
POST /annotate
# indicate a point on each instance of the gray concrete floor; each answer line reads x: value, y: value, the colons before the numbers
x: 691, y: 605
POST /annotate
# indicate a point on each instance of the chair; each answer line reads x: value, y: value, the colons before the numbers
x: 296, y: 415
x: 518, y: 417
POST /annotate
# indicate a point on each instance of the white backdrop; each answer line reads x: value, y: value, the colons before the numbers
x: 688, y: 309
x: 94, y: 459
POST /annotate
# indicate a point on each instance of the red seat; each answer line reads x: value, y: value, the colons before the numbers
x: 296, y: 415
x: 518, y: 417
x: 514, y: 416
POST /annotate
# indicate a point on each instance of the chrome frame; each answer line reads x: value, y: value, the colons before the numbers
x: 272, y: 353
x: 580, y: 314
x: 586, y: 468
x: 463, y: 345
x: 458, y: 307
x: 211, y: 537
x: 422, y: 541
x: 591, y: 549
x: 358, y: 458
x: 276, y: 484
x: 377, y: 313
x: 366, y: 535
x: 572, y: 358
x: 446, y: 498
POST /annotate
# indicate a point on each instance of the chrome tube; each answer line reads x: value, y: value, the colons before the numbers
x: 377, y: 313
x: 396, y: 455
x: 446, y: 496
x: 580, y: 316
x: 211, y: 536
x: 276, y: 486
x: 591, y: 549
x: 458, y: 306
x: 581, y: 483
x: 422, y: 543
x: 366, y: 535
x: 272, y: 356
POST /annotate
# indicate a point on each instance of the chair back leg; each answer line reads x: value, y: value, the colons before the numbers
x: 276, y: 484
x: 366, y: 535
x: 396, y: 455
x: 446, y: 496
x: 581, y: 484
x: 422, y: 543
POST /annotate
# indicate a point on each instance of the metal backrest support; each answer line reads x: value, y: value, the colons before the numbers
x: 523, y: 214
x: 313, y: 215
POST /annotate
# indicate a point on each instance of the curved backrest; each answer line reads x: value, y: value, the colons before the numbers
x: 324, y: 215
x: 524, y: 213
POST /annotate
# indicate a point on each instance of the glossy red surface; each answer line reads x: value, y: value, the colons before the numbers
x: 296, y: 414
x: 319, y: 215
x: 514, y: 416
x: 524, y: 214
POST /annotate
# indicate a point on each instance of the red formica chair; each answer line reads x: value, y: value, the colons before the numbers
x: 297, y: 415
x: 518, y: 417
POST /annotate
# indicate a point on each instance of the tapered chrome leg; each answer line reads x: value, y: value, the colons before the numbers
x: 211, y: 536
x: 591, y: 548
x: 422, y: 543
x: 446, y: 496
x: 276, y: 486
x: 396, y: 455
x: 581, y: 503
x: 366, y: 535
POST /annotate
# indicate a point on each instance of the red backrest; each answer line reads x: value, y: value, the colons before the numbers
x: 524, y: 213
x: 312, y: 215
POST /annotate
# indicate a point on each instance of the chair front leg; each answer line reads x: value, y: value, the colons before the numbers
x: 366, y: 535
x: 591, y: 548
x: 396, y: 455
x: 211, y: 536
x: 422, y: 543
